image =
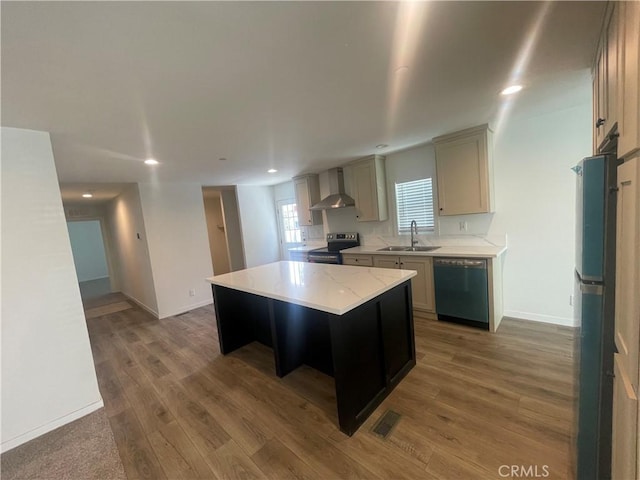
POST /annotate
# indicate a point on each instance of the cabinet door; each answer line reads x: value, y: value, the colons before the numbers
x: 364, y: 182
x: 369, y: 189
x: 628, y: 269
x: 608, y: 75
x: 422, y: 284
x: 463, y: 175
x: 306, y: 196
x: 625, y: 420
x: 629, y: 78
x: 611, y: 113
x: 385, y: 261
x: 597, y: 103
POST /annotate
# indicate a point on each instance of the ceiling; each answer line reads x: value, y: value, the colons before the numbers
x: 295, y: 86
x: 72, y: 192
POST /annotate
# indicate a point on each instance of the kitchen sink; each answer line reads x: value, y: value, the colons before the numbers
x: 399, y: 248
x: 420, y: 249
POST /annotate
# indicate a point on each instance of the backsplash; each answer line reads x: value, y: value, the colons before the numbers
x: 440, y: 240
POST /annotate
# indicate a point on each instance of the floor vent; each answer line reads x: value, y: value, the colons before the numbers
x: 386, y: 423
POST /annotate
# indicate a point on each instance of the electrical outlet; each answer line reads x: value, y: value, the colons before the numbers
x: 464, y: 226
x: 571, y: 300
x: 192, y: 292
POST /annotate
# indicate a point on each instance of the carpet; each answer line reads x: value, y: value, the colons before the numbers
x: 83, y: 449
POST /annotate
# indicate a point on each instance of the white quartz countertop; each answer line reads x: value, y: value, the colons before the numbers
x: 306, y: 248
x: 329, y: 288
x: 468, y: 251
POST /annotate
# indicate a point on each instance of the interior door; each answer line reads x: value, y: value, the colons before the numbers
x: 289, y: 231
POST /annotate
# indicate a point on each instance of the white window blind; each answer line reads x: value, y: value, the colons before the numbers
x: 414, y: 201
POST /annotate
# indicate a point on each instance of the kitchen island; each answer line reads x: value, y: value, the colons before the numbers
x: 353, y: 323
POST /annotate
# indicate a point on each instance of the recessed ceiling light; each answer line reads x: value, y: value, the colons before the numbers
x: 382, y: 145
x: 87, y: 195
x: 511, y: 90
x: 272, y: 170
x: 151, y: 161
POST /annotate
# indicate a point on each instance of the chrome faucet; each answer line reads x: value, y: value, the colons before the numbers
x: 414, y: 228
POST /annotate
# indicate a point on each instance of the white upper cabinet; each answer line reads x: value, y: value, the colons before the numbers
x: 464, y: 171
x: 369, y: 190
x: 628, y: 84
x: 616, y: 80
x: 307, y: 188
x: 605, y: 79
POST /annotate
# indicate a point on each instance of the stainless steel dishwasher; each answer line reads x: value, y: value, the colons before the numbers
x: 462, y: 291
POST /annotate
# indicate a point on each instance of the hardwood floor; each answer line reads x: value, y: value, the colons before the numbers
x: 475, y: 401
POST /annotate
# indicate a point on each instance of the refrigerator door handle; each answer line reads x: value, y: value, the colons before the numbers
x: 591, y: 289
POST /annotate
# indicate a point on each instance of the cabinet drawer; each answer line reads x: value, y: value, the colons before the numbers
x: 359, y: 260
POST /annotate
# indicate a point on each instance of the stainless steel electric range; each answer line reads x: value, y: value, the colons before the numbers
x: 335, y: 243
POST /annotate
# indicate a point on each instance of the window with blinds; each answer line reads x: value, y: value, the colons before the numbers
x: 414, y: 201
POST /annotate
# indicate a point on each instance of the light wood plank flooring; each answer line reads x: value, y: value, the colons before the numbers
x: 474, y: 402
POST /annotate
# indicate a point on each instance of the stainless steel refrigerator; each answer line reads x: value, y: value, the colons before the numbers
x: 594, y: 311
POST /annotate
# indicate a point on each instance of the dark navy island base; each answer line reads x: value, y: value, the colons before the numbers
x: 367, y: 350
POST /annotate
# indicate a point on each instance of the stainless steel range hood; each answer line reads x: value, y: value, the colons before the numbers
x: 337, y: 197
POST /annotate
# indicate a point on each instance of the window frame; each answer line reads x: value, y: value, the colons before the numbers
x: 423, y: 220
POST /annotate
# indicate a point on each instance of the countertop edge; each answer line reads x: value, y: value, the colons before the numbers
x: 444, y: 251
x: 323, y: 308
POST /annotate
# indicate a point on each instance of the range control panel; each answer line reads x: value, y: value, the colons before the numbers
x: 342, y: 236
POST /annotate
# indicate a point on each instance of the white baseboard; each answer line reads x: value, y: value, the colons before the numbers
x: 187, y: 308
x: 58, y: 422
x: 536, y: 317
x: 142, y: 305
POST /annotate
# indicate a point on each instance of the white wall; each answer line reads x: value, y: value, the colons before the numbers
x: 88, y: 250
x: 256, y: 205
x: 128, y: 239
x: 535, y: 207
x: 48, y: 375
x: 535, y: 204
x: 178, y: 243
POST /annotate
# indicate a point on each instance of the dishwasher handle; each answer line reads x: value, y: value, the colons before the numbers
x: 460, y: 263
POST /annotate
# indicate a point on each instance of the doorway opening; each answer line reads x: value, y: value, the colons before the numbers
x: 223, y: 227
x: 90, y: 258
x: 291, y: 234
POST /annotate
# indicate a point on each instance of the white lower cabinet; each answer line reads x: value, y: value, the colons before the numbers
x: 625, y: 420
x: 358, y: 260
x: 421, y: 285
